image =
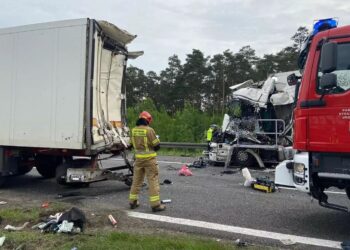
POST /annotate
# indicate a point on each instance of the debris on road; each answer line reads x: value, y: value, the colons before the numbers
x: 3, y: 202
x: 264, y: 184
x: 112, y: 220
x: 185, y: 171
x: 165, y: 201
x: 166, y: 181
x: 71, y: 221
x: 2, y: 240
x: 65, y: 227
x: 287, y: 242
x: 240, y: 243
x: 248, y: 177
x: 200, y: 163
x: 12, y: 228
x: 45, y: 205
x: 261, y: 183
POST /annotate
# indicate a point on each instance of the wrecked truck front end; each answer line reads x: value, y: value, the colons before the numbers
x: 258, y: 128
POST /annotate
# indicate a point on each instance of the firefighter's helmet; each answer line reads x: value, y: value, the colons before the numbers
x: 147, y: 116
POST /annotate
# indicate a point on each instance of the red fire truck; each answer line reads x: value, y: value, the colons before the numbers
x: 321, y: 116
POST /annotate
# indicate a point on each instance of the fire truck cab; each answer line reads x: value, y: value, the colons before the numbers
x: 321, y: 116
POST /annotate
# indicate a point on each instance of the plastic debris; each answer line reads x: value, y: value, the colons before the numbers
x: 248, y: 178
x: 2, y: 240
x: 287, y: 242
x: 3, y: 202
x: 165, y: 201
x: 185, y: 171
x: 12, y: 228
x: 112, y: 220
x: 45, y: 205
x: 71, y: 221
x: 240, y: 243
x: 74, y: 215
x: 200, y: 163
x: 65, y: 227
x: 166, y: 181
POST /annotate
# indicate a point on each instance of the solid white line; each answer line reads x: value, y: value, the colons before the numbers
x: 329, y: 192
x: 238, y: 230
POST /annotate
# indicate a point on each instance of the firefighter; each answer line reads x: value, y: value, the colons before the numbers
x: 212, y: 129
x: 145, y: 143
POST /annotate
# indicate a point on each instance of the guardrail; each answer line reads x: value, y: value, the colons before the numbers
x: 183, y: 145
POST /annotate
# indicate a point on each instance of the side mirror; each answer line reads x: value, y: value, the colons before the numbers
x: 328, y: 81
x: 292, y: 79
x: 329, y: 54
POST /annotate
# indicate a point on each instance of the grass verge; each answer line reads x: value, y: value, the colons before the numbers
x: 110, y: 240
x: 98, y: 236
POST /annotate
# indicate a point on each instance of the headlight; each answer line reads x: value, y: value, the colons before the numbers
x: 299, y: 168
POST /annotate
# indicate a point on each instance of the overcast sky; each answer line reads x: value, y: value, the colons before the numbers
x: 167, y: 27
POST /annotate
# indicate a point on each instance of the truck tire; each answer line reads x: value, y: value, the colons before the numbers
x: 47, y: 164
x: 242, y: 158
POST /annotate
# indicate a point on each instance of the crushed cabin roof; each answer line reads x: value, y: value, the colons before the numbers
x: 274, y: 89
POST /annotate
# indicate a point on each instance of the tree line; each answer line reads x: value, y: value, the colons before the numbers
x: 203, y: 81
x: 186, y: 97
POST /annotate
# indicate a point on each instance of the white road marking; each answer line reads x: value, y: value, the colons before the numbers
x: 329, y: 192
x: 238, y: 230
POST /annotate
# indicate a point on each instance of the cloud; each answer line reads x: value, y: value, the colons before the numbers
x: 172, y: 27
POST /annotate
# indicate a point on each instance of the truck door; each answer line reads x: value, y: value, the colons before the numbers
x: 329, y: 122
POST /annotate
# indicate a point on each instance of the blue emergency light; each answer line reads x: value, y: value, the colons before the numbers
x: 324, y: 24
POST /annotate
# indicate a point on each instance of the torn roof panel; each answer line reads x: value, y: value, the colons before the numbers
x: 117, y: 34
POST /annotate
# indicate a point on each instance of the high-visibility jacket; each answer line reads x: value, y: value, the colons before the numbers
x: 144, y: 139
x: 210, y: 134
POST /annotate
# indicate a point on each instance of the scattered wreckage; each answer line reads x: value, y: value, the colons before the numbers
x: 258, y: 128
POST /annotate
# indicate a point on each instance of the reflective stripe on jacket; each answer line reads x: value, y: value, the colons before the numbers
x: 144, y: 140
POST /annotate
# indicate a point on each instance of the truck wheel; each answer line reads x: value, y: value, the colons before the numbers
x: 242, y: 158
x: 47, y: 164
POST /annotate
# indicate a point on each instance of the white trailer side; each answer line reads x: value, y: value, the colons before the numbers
x: 42, y: 85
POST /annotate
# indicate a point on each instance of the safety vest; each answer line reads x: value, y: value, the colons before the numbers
x: 144, y: 139
x: 210, y: 134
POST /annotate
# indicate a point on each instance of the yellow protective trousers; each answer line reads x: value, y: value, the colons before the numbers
x: 148, y: 168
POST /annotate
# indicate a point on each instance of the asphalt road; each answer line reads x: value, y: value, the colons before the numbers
x: 210, y: 196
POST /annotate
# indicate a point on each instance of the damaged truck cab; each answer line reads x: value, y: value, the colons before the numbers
x: 258, y: 128
x: 322, y: 117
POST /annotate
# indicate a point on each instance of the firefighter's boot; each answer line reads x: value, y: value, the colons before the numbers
x: 158, y: 208
x: 134, y: 204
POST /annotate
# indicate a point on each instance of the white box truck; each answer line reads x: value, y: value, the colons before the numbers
x: 62, y: 95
